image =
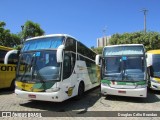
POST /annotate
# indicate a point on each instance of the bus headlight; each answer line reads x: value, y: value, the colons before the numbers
x: 53, y: 89
x: 141, y: 86
x: 104, y: 84
x: 154, y: 80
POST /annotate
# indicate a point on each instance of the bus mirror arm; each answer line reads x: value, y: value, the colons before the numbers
x: 8, y: 54
x: 150, y: 71
x: 60, y: 53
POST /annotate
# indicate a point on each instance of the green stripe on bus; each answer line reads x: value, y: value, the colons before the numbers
x: 106, y: 81
x: 125, y: 83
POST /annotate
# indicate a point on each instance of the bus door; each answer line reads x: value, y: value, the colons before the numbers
x: 69, y: 75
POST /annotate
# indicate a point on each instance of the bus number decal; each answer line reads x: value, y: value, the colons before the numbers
x: 70, y: 91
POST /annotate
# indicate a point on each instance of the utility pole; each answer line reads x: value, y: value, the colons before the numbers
x: 145, y: 13
x: 22, y: 39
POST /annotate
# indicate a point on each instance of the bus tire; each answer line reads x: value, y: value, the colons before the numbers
x: 80, y: 90
x: 12, y: 87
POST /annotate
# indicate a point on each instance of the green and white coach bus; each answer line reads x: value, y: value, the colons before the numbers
x: 123, y: 70
x: 56, y: 67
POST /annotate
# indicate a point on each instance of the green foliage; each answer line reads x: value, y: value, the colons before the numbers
x: 6, y: 38
x: 151, y: 40
x: 14, y: 40
x: 31, y: 29
x: 97, y: 50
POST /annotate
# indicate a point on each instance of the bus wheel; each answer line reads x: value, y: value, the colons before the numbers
x: 80, y: 90
x: 12, y: 87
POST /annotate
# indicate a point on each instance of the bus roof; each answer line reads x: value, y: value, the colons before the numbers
x: 125, y: 45
x: 154, y: 51
x: 50, y: 35
x: 124, y: 49
x: 55, y: 35
x: 5, y: 48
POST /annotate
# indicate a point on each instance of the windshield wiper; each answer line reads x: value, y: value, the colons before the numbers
x: 37, y: 71
x: 26, y: 68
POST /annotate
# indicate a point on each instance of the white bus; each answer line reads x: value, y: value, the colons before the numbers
x: 153, y: 64
x: 123, y: 70
x: 55, y: 68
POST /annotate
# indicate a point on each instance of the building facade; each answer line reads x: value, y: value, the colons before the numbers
x: 103, y: 41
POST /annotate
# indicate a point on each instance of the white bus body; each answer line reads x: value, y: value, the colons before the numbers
x: 123, y: 70
x: 55, y: 68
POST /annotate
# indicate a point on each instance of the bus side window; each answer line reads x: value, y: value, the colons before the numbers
x: 2, y: 55
x: 73, y: 60
x: 67, y: 66
x: 70, y: 44
x: 13, y: 59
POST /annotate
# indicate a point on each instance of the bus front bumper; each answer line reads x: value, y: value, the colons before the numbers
x: 43, y: 96
x: 139, y: 92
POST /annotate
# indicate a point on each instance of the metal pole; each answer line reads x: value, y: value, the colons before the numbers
x: 145, y: 13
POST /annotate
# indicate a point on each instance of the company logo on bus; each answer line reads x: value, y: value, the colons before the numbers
x: 9, y: 68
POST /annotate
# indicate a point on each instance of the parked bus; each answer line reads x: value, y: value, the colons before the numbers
x: 153, y: 64
x: 7, y: 72
x: 123, y: 70
x: 55, y: 68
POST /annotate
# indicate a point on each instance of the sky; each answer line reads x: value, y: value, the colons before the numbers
x: 83, y: 19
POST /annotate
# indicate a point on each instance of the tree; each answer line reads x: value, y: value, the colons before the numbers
x: 6, y: 38
x: 31, y: 29
x: 151, y: 40
x: 97, y: 50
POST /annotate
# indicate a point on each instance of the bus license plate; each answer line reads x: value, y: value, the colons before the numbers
x: 31, y: 96
x: 120, y: 91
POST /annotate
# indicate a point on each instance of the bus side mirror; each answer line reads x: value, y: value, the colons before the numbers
x: 97, y: 60
x: 150, y: 71
x: 8, y: 54
x: 60, y: 53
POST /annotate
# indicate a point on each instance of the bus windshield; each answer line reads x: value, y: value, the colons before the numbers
x: 133, y: 68
x: 126, y: 68
x: 156, y: 65
x: 38, y: 66
x: 113, y: 68
x: 43, y: 43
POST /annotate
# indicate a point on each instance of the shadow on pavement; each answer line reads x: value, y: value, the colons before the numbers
x: 6, y: 91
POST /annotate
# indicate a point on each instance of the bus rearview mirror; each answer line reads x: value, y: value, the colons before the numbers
x: 60, y: 53
x: 97, y: 59
x: 8, y: 54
